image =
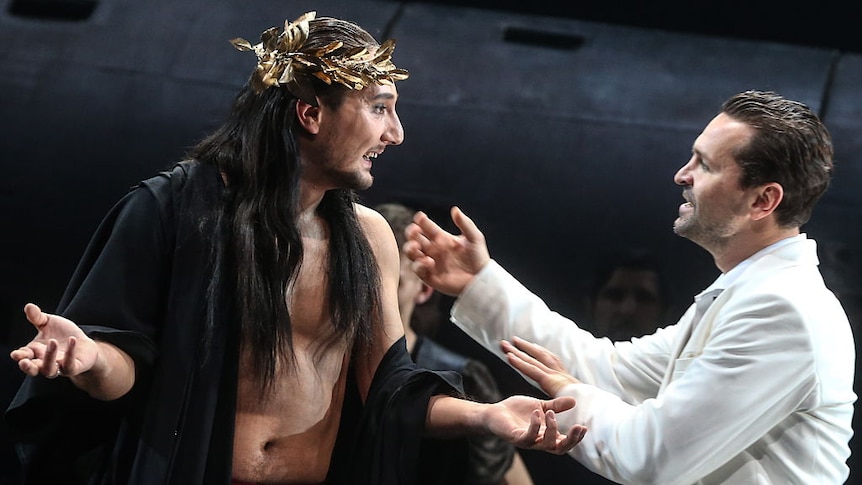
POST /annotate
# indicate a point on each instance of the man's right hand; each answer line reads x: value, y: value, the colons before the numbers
x: 59, y: 348
x: 445, y: 261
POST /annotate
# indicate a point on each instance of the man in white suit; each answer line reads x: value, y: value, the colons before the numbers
x: 754, y: 384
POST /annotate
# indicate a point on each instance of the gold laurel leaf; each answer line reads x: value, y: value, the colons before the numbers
x: 242, y: 44
x: 323, y: 77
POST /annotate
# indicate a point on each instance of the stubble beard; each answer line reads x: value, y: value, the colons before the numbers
x: 705, y: 234
x: 355, y: 180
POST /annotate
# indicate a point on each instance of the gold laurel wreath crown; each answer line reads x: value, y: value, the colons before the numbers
x: 279, y: 60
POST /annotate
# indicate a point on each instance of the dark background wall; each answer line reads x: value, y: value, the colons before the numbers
x: 558, y: 129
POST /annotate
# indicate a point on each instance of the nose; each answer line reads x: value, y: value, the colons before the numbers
x: 683, y: 175
x: 394, y: 134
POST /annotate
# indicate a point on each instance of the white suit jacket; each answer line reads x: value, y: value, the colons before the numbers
x: 758, y: 391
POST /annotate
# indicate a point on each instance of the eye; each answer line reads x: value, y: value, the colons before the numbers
x: 381, y: 108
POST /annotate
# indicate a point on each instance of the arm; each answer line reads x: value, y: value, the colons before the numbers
x: 493, y: 306
x: 754, y: 373
x: 496, y: 307
x: 61, y: 348
x: 382, y: 242
x: 117, y: 290
x: 523, y: 421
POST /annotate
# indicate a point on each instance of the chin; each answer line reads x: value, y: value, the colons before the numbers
x: 354, y: 181
x: 364, y: 183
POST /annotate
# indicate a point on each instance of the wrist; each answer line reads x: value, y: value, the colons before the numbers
x: 450, y: 417
x: 111, y: 376
x: 483, y: 417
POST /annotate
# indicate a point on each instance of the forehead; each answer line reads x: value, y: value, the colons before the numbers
x: 722, y: 137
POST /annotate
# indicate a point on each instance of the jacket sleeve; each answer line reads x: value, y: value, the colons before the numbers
x: 495, y: 306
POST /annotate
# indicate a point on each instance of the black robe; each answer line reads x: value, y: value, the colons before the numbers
x: 489, y: 457
x: 142, y: 285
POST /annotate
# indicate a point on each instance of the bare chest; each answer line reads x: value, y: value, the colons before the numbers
x: 287, y: 436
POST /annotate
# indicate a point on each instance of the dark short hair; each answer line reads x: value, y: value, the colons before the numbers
x: 791, y: 146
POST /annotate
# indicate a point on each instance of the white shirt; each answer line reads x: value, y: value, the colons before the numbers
x: 758, y: 391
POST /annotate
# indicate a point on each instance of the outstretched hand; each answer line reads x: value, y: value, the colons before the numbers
x: 539, y: 364
x: 531, y: 423
x: 443, y: 260
x: 59, y: 348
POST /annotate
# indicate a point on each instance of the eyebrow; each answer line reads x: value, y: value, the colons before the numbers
x: 383, y: 96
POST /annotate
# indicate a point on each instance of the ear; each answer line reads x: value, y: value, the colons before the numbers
x: 308, y: 116
x: 768, y: 196
x: 424, y: 294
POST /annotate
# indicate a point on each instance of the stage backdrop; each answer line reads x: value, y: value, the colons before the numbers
x: 560, y: 137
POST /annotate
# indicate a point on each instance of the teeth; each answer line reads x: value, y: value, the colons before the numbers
x: 371, y: 155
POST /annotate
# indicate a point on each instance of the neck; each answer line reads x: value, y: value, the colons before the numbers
x: 309, y: 199
x: 741, y: 248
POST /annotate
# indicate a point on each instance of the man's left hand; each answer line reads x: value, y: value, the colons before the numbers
x: 539, y: 364
x: 531, y: 423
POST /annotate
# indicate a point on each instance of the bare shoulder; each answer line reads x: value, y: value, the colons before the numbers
x: 376, y: 228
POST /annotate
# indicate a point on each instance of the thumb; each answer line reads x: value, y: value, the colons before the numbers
x: 467, y: 226
x: 35, y: 315
x: 558, y: 405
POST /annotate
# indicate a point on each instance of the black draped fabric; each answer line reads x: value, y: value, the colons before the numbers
x: 489, y: 457
x: 142, y: 285
x: 384, y: 445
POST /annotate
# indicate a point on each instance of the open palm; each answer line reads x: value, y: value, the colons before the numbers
x: 59, y: 345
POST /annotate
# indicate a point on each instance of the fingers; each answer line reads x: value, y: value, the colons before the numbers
x: 28, y: 367
x: 429, y: 228
x: 524, y: 367
x: 34, y: 362
x: 49, y: 360
x: 534, y: 427
x: 541, y: 354
x: 527, y: 365
x: 67, y: 365
x: 548, y: 360
x: 418, y: 245
x: 556, y: 442
x: 550, y: 438
x: 524, y: 356
x: 22, y: 353
x: 416, y: 242
x: 549, y: 441
x: 571, y: 439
